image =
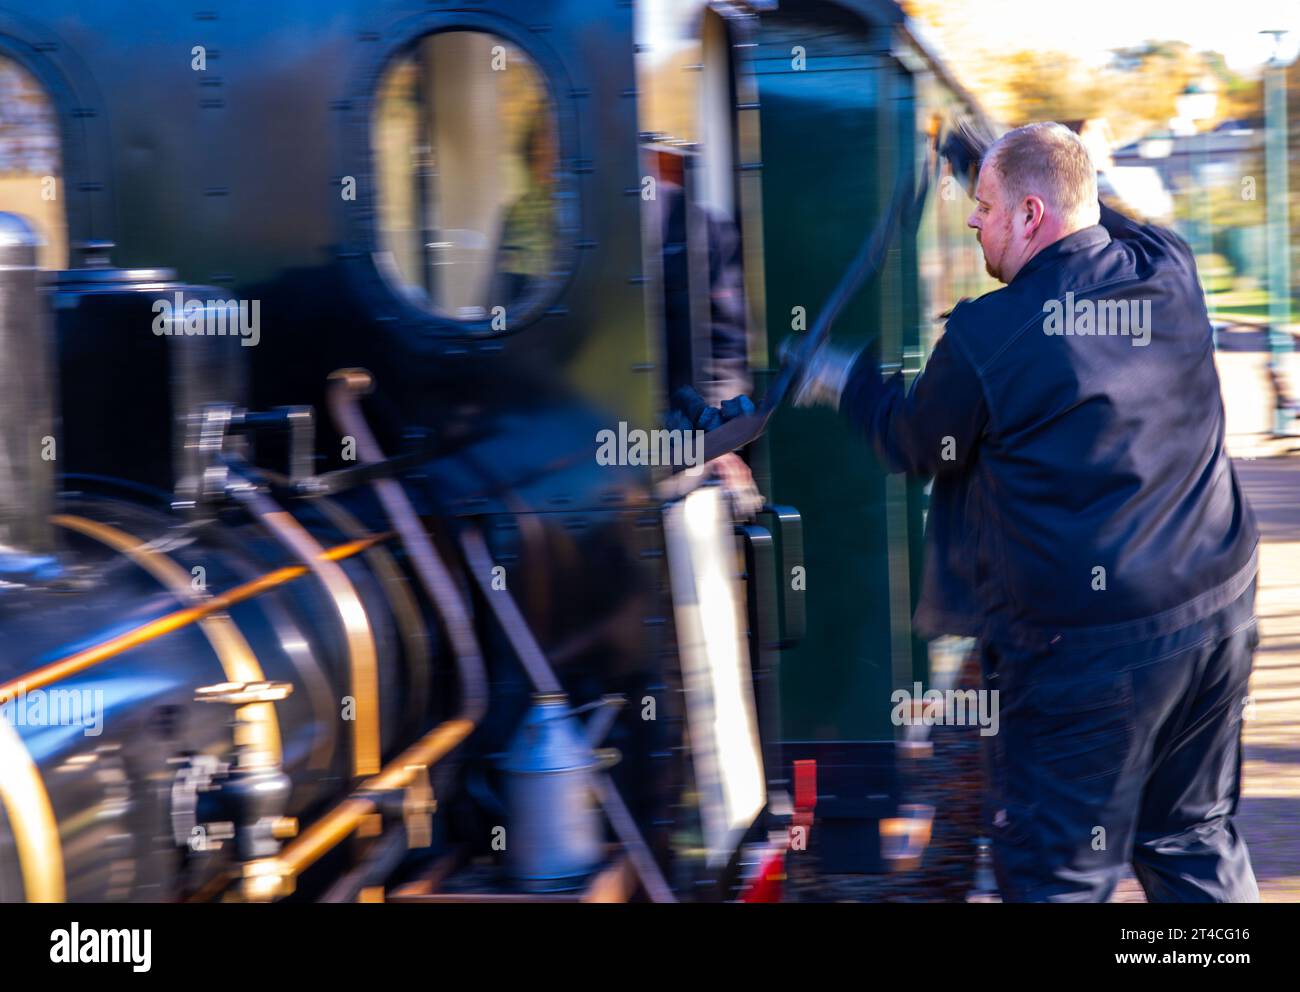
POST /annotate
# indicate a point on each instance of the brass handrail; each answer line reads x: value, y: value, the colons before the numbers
x: 237, y: 658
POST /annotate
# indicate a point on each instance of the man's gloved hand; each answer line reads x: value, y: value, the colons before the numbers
x: 964, y: 146
x: 690, y: 411
x: 822, y: 380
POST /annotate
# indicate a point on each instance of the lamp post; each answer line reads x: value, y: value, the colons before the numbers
x: 1279, y: 249
x: 1194, y: 105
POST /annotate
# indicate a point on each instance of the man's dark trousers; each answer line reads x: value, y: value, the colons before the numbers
x: 1127, y: 755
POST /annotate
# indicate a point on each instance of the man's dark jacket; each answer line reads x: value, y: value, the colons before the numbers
x: 1081, y: 488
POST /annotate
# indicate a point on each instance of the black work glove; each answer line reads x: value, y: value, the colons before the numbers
x: 689, y: 411
x: 964, y: 146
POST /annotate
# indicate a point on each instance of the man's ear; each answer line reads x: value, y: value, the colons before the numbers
x: 1032, y: 210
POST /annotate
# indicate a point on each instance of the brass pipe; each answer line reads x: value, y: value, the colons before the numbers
x: 406, y: 611
x: 362, y: 658
x: 238, y: 660
x: 31, y: 819
x: 151, y: 630
x: 272, y: 878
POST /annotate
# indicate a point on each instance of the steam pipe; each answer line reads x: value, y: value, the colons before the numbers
x: 513, y: 623
x: 346, y: 386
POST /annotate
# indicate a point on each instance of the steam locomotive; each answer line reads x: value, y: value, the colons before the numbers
x: 310, y: 571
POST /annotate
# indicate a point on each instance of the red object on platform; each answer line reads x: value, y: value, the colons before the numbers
x: 767, y: 886
x: 805, y: 785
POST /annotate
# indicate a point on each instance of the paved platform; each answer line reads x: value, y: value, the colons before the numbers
x: 1269, y: 814
x: 1270, y: 807
x: 1269, y: 469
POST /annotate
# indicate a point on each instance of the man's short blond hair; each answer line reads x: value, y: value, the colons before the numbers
x: 1049, y: 161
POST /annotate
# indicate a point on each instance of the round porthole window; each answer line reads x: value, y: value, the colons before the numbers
x: 31, y: 174
x: 465, y: 152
